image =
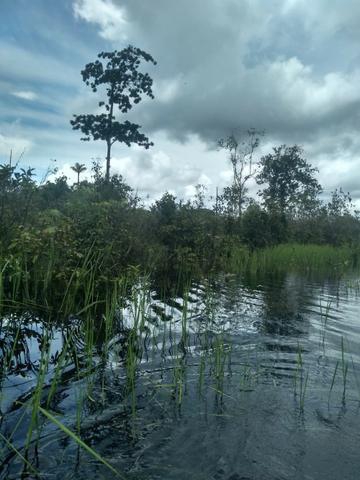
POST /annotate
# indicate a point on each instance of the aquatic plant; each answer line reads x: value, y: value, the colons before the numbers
x: 80, y: 442
x: 300, y: 380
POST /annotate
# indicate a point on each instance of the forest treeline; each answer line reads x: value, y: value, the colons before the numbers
x: 53, y: 226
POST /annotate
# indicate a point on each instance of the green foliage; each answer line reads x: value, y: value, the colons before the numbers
x: 78, y: 168
x: 124, y: 84
x: 256, y: 227
x: 291, y: 187
x: 16, y: 198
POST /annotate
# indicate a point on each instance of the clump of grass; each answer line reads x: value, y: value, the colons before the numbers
x: 236, y: 258
x: 306, y: 258
x: 221, y: 352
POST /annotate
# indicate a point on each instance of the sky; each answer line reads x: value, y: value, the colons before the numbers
x: 288, y: 67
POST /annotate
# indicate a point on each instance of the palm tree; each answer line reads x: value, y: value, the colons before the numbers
x: 78, y: 168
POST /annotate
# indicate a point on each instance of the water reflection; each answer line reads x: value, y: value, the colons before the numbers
x: 211, y: 375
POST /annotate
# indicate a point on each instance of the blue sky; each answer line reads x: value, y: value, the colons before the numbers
x: 279, y: 65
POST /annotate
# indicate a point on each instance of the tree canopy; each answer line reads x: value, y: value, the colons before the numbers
x: 290, y: 181
x: 125, y: 85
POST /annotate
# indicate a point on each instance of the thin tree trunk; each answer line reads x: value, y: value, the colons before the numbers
x: 108, y: 156
x: 108, y: 141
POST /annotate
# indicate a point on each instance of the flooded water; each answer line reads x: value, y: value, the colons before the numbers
x: 253, y: 378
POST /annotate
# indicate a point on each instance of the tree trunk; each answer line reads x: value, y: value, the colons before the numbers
x: 78, y: 182
x: 108, y: 156
x: 108, y: 141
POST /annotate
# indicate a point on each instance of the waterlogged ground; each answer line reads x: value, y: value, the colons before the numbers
x: 244, y: 379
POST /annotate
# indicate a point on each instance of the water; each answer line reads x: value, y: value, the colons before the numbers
x: 254, y: 378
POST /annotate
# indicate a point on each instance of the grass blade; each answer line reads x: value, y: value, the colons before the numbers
x: 26, y: 462
x: 78, y: 440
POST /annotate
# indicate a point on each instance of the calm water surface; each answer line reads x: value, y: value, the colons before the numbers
x: 246, y: 379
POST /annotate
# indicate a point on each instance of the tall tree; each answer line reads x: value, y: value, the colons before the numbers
x: 290, y: 183
x: 241, y: 156
x: 125, y: 85
x: 78, y: 168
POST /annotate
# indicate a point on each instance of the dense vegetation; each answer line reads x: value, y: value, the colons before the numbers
x: 48, y: 230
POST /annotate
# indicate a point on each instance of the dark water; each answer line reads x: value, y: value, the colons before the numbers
x: 248, y: 379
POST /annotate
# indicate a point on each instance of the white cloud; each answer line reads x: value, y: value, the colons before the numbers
x: 110, y: 18
x: 149, y: 173
x: 167, y: 89
x: 308, y: 95
x: 25, y: 94
x: 155, y: 172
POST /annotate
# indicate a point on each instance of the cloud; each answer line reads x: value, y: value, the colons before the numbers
x: 223, y: 65
x: 32, y: 66
x: 149, y: 173
x: 152, y: 173
x: 25, y: 94
x: 235, y: 65
x: 323, y: 18
x: 16, y: 145
x: 217, y: 70
x: 110, y: 18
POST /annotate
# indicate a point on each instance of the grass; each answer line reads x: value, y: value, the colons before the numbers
x: 80, y: 442
x: 324, y: 316
x: 304, y: 258
x: 344, y: 370
x: 300, y: 380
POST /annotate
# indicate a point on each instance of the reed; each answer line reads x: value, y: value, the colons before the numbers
x: 304, y: 258
x: 324, y: 316
x: 300, y: 380
x: 344, y: 370
x: 333, y: 381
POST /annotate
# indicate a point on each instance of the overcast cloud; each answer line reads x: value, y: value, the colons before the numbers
x: 288, y: 67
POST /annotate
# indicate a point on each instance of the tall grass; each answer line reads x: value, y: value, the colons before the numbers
x: 300, y: 380
x: 304, y: 258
